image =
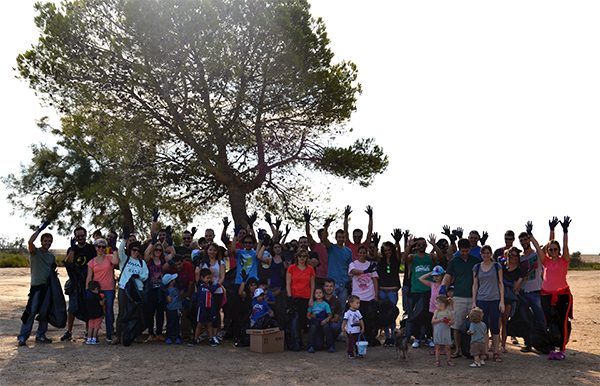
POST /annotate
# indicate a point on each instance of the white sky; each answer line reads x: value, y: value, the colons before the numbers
x: 488, y: 111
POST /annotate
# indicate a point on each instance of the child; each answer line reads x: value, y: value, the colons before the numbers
x: 260, y: 307
x: 353, y: 324
x: 435, y: 285
x: 94, y: 303
x: 206, y: 308
x: 442, y: 320
x: 263, y: 283
x: 173, y: 308
x: 318, y: 316
x: 478, y: 332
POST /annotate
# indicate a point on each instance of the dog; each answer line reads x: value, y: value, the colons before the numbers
x: 401, y: 343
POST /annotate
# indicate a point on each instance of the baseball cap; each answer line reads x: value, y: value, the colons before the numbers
x: 437, y: 270
x: 258, y: 292
x: 168, y: 278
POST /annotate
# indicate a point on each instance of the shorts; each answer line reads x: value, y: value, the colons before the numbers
x: 477, y: 348
x: 206, y: 314
x: 462, y: 307
x: 95, y: 323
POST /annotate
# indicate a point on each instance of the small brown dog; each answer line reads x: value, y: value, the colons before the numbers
x: 401, y: 343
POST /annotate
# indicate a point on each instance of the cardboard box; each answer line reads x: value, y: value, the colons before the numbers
x: 266, y: 341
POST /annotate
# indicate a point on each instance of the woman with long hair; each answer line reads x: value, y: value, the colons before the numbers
x: 300, y: 285
x: 512, y: 274
x: 388, y: 270
x: 557, y: 300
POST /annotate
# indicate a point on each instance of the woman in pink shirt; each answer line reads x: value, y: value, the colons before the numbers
x: 557, y: 301
x: 101, y: 269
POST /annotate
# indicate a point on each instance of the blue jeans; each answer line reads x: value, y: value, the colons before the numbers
x: 533, y: 301
x: 393, y: 297
x: 341, y: 292
x: 27, y: 327
x: 173, y: 325
x: 156, y: 305
x: 491, y: 314
x: 110, y: 313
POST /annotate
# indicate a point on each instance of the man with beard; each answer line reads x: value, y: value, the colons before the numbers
x: 357, y: 234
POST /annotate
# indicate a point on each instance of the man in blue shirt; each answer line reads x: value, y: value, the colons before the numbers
x: 339, y: 258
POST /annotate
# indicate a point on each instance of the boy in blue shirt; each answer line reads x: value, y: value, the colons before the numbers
x: 260, y: 307
x: 174, y: 305
x: 206, y: 309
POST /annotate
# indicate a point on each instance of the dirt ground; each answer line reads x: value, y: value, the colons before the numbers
x: 75, y: 363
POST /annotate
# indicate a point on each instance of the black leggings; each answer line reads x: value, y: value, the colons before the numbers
x: 563, y: 307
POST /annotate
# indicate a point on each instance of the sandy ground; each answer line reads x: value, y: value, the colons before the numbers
x: 154, y: 363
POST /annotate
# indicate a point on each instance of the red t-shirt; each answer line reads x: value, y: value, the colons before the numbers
x: 354, y: 248
x: 301, y: 280
x: 321, y: 270
x: 555, y: 274
x: 103, y: 273
x: 184, y: 277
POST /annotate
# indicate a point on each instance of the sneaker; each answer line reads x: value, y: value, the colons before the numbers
x: 475, y: 364
x: 219, y: 336
x: 89, y: 341
x: 482, y: 362
x: 151, y: 338
x: 204, y: 335
x: 21, y: 343
x: 311, y: 350
x: 95, y: 341
x: 416, y: 343
x: 177, y: 341
x: 108, y: 339
x: 552, y: 355
x: 193, y: 343
x: 526, y: 348
x: 350, y: 356
x: 560, y: 356
x: 168, y: 341
x: 44, y: 339
x: 360, y: 356
x: 67, y: 336
x: 331, y: 349
x: 429, y: 343
x: 214, y: 342
x: 161, y: 337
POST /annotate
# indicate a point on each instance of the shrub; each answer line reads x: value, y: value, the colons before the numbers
x: 13, y: 260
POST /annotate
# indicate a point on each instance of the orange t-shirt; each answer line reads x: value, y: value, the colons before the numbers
x: 301, y: 280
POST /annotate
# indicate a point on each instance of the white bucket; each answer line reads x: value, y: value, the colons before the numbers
x: 362, y: 347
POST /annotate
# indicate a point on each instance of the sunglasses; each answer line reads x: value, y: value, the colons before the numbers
x: 552, y: 249
x: 158, y: 250
x: 187, y: 238
x: 421, y: 245
x: 100, y: 246
x: 248, y: 242
x: 80, y: 237
x: 135, y: 250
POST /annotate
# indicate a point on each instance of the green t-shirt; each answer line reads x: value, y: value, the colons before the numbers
x: 462, y: 271
x: 420, y: 266
x: 41, y: 266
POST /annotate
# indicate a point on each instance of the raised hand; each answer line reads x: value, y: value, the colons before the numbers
x: 126, y: 232
x: 268, y: 218
x: 194, y: 230
x: 261, y: 234
x: 278, y: 221
x: 397, y: 235
x: 347, y: 211
x: 43, y: 226
x: 155, y: 214
x: 288, y: 229
x: 328, y: 221
x: 565, y: 224
x: 307, y: 215
x: 236, y: 230
x: 459, y: 232
x: 407, y: 235
x: 432, y: 239
x: 244, y: 275
x: 372, y: 267
x: 484, y: 237
x: 73, y: 243
x: 553, y: 223
x: 252, y: 219
x: 369, y: 211
x: 446, y: 230
x: 529, y: 228
x: 226, y: 222
x: 155, y: 238
x: 376, y: 239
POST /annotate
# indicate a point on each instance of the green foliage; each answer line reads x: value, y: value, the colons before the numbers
x: 13, y: 260
x: 576, y: 263
x: 223, y: 97
x: 17, y: 245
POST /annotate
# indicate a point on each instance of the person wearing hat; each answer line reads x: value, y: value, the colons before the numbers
x: 131, y: 266
x: 438, y: 277
x: 174, y: 305
x: 260, y: 307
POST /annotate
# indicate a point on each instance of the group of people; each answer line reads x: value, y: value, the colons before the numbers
x: 329, y: 290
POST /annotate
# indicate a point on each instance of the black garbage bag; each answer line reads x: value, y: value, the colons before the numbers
x: 264, y: 322
x: 386, y: 313
x: 293, y: 338
x: 78, y: 296
x: 133, y: 314
x: 54, y: 306
x: 465, y: 339
x: 229, y: 282
x: 524, y: 323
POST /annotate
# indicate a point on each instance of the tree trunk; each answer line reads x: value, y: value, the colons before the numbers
x: 237, y: 202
